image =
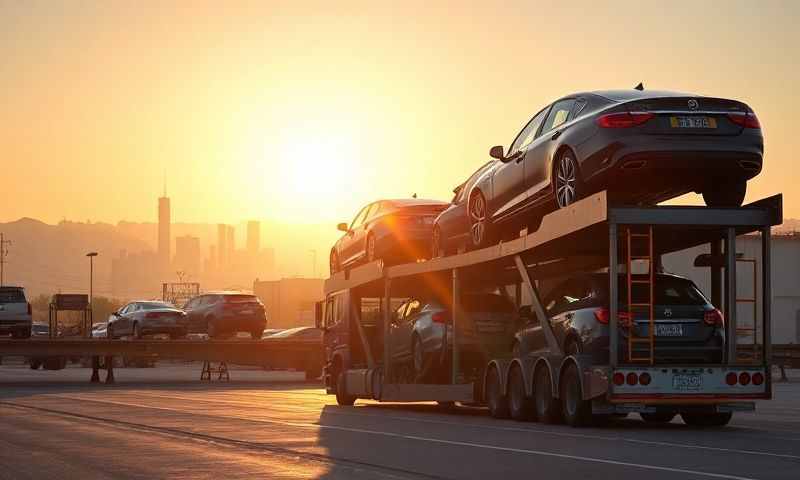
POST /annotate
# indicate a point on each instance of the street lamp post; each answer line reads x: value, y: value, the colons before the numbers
x: 91, y: 256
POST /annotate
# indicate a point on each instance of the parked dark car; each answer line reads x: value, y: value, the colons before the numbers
x: 644, y: 147
x: 688, y: 328
x: 148, y: 317
x: 225, y: 314
x: 15, y: 312
x: 420, y: 329
x: 392, y: 230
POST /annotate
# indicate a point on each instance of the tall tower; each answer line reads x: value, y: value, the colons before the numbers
x: 222, y: 245
x: 253, y: 238
x: 164, y: 221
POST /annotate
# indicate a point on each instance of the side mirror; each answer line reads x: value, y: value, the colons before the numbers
x: 342, y: 227
x: 318, y: 315
x: 497, y: 152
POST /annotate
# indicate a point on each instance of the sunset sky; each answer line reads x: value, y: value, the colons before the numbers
x: 302, y: 113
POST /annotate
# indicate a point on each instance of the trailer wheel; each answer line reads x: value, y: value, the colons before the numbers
x: 657, y: 417
x: 520, y: 405
x: 497, y: 402
x: 547, y: 406
x: 707, y: 419
x: 577, y: 411
x: 342, y: 398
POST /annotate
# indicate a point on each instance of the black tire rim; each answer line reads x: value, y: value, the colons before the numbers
x: 477, y: 213
x: 566, y: 181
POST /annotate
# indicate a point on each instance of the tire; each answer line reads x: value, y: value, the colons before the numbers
x: 479, y: 223
x: 567, y: 187
x: 520, y: 406
x: 495, y: 400
x: 369, y: 248
x: 704, y: 420
x: 577, y: 411
x: 35, y: 364
x: 726, y: 194
x: 256, y: 334
x: 548, y: 409
x: 342, y: 398
x: 658, y: 417
x: 334, y: 262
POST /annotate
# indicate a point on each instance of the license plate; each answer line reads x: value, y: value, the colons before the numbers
x: 687, y: 382
x: 693, y: 122
x: 669, y: 330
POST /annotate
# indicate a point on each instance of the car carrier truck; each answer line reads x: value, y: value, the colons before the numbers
x: 550, y: 385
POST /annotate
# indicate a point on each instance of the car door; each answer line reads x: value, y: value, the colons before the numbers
x: 399, y: 334
x: 531, y: 335
x: 191, y: 315
x: 117, y: 322
x: 537, y: 156
x: 349, y: 247
x: 508, y: 182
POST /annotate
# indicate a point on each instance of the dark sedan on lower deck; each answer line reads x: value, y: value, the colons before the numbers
x: 643, y: 147
x: 687, y: 327
x: 391, y: 230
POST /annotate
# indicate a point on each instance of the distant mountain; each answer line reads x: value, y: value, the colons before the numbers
x: 789, y: 225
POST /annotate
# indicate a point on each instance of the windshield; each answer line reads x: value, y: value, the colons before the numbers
x: 154, y: 305
x: 12, y: 295
x: 240, y: 299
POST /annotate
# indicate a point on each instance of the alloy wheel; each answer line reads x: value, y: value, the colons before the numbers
x: 566, y: 181
x: 477, y: 214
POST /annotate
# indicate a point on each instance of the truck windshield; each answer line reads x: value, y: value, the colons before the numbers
x: 12, y: 295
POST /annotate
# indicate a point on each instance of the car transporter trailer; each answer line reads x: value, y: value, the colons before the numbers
x: 590, y: 235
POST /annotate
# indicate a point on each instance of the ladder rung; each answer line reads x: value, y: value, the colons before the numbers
x: 640, y: 339
x: 640, y: 257
x: 641, y: 281
x: 745, y: 300
x: 640, y: 304
x: 639, y: 234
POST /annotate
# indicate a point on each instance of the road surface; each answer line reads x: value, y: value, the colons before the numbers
x: 163, y: 423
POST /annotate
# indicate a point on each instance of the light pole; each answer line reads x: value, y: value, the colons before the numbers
x: 91, y: 256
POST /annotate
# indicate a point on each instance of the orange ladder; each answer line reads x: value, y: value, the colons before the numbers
x: 634, y: 238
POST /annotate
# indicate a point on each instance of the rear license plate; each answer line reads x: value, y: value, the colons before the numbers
x: 687, y: 382
x: 692, y: 122
x: 669, y: 330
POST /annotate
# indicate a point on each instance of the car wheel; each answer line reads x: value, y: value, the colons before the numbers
x: 417, y: 357
x: 577, y: 411
x: 547, y: 407
x: 566, y: 184
x: 725, y: 194
x: 334, y: 260
x: 658, y: 417
x: 35, y: 364
x: 520, y: 405
x: 437, y: 249
x: 707, y: 419
x: 370, y: 248
x: 495, y: 400
x: 342, y: 398
x: 480, y: 228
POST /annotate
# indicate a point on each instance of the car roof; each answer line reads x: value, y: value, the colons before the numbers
x: 633, y: 94
x: 412, y: 202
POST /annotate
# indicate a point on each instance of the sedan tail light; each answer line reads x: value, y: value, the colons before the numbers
x: 714, y: 318
x: 602, y: 315
x: 440, y: 317
x: 624, y: 119
x: 746, y: 120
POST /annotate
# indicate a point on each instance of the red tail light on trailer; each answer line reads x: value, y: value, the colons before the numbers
x: 731, y: 378
x: 624, y: 119
x: 619, y: 379
x: 758, y: 378
x: 744, y: 378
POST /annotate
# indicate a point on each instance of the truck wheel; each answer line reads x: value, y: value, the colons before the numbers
x: 35, y: 364
x: 547, y: 406
x: 707, y: 419
x: 658, y: 417
x: 577, y: 411
x: 520, y: 405
x: 497, y: 402
x: 342, y: 398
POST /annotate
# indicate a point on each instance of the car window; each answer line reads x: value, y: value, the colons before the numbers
x: 12, y: 295
x: 126, y: 309
x: 527, y: 134
x: 400, y: 311
x: 152, y: 305
x: 414, y: 307
x: 668, y: 291
x: 359, y: 219
x: 559, y: 114
x: 373, y: 209
x: 580, y: 105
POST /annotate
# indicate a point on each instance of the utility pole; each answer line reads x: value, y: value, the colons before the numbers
x: 3, y: 253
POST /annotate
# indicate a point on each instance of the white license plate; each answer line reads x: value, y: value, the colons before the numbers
x: 669, y: 330
x: 687, y: 382
x: 693, y: 122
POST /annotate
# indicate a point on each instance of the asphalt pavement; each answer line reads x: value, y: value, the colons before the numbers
x: 164, y: 423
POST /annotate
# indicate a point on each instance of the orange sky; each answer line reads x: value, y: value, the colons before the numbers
x: 304, y: 113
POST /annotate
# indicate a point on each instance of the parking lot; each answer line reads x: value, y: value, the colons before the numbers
x: 163, y: 423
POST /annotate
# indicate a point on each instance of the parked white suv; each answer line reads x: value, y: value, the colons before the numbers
x: 15, y: 313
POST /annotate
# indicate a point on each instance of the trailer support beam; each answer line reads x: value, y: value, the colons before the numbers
x: 766, y: 295
x: 716, y: 273
x: 730, y: 294
x: 613, y: 294
x: 456, y: 320
x: 544, y: 322
x: 387, y: 316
